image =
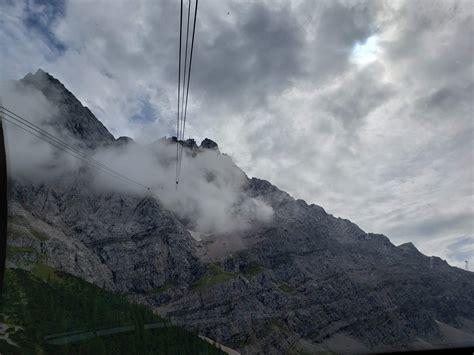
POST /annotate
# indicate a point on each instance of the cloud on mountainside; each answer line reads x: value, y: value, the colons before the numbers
x: 210, y: 198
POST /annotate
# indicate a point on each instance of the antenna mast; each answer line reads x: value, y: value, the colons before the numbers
x: 3, y: 202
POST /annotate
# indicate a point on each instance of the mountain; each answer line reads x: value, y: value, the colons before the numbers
x: 72, y: 117
x: 301, y: 281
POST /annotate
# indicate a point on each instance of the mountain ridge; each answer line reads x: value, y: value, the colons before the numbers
x: 292, y: 283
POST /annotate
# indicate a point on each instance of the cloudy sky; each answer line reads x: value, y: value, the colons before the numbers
x: 362, y: 107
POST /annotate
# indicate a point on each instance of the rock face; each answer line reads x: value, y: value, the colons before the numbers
x: 314, y: 276
x: 72, y: 117
x: 138, y: 245
x: 121, y: 141
x: 304, y: 282
x: 208, y: 144
x: 190, y: 143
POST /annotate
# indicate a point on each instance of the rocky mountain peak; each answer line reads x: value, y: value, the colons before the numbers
x: 190, y: 143
x: 42, y: 80
x: 72, y: 117
x: 124, y: 140
x: 409, y: 247
x: 208, y: 144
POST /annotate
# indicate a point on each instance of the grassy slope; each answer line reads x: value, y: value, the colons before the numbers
x: 46, y: 302
x: 215, y: 275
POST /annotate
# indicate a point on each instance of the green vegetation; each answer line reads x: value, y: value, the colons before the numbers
x: 285, y: 287
x: 16, y: 231
x: 214, y: 275
x: 169, y: 340
x: 45, y: 273
x: 39, y: 235
x: 19, y: 220
x: 254, y: 270
x: 19, y: 226
x: 13, y: 250
x: 47, y: 302
x: 273, y: 324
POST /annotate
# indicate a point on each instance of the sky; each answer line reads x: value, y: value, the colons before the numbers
x: 362, y: 107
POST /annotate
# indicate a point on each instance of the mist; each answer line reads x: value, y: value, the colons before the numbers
x: 210, y: 197
x: 27, y: 155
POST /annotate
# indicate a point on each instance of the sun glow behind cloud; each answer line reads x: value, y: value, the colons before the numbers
x: 366, y: 52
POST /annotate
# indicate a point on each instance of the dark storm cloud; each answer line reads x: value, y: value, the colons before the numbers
x: 352, y: 101
x: 245, y: 61
x: 338, y: 27
x: 265, y: 48
x: 443, y: 101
